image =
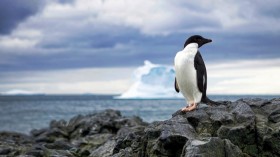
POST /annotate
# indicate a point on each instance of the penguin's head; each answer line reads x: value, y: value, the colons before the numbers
x: 197, y: 39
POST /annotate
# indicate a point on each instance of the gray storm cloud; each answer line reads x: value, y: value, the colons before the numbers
x: 45, y: 35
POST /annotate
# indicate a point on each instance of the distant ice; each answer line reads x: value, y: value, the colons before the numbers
x: 152, y: 81
x: 18, y: 92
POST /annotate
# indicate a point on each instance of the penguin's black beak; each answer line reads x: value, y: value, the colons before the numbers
x: 207, y: 41
x: 204, y: 41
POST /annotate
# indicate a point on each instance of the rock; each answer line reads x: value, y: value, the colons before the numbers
x: 37, y: 153
x: 242, y: 136
x: 108, y: 121
x: 127, y: 152
x: 59, y: 145
x: 220, y: 116
x: 38, y: 132
x: 242, y: 112
x: 213, y: 146
x: 50, y: 135
x: 60, y: 153
x: 232, y: 150
x: 88, y: 144
x: 104, y: 150
x: 168, y: 138
x: 5, y: 151
x: 14, y: 144
x: 247, y: 127
x: 274, y: 116
x: 13, y: 137
x: 61, y: 124
x: 255, y: 102
x: 130, y: 138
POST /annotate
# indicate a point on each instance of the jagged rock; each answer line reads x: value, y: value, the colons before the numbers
x: 104, y: 150
x: 38, y: 132
x: 59, y: 145
x: 247, y: 127
x: 213, y: 146
x: 130, y: 138
x: 60, y: 124
x: 127, y: 152
x: 5, y: 150
x: 168, y: 138
x: 105, y: 122
x: 37, y: 153
x: 274, y: 116
x: 60, y: 153
x: 242, y: 136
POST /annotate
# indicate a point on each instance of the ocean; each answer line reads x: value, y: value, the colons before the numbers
x: 24, y: 113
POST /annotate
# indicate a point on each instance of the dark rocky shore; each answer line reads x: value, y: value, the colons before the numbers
x: 247, y: 127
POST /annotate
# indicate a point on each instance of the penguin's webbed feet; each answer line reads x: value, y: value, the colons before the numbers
x: 189, y: 108
x: 192, y: 107
x: 185, y: 109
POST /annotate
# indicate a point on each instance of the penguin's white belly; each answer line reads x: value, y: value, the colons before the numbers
x: 186, y: 77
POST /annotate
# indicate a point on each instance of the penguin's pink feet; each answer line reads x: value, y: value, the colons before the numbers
x: 187, y: 108
x: 193, y: 107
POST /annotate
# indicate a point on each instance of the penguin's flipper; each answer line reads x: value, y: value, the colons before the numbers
x: 200, y: 73
x: 176, y: 86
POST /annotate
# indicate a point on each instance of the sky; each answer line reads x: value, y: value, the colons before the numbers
x: 93, y: 46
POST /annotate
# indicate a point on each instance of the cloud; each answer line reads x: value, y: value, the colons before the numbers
x: 79, y: 81
x: 244, y: 77
x: 86, y: 33
x: 164, y: 17
x: 14, y: 12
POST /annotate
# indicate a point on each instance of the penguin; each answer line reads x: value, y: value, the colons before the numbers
x: 191, y: 74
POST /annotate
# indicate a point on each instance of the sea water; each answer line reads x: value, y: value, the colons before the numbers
x: 24, y: 113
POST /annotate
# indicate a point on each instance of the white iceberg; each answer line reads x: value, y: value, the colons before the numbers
x: 152, y: 81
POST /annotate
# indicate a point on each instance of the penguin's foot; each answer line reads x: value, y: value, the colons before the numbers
x: 192, y: 107
x: 187, y: 108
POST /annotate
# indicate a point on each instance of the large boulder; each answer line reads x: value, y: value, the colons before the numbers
x: 168, y: 138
